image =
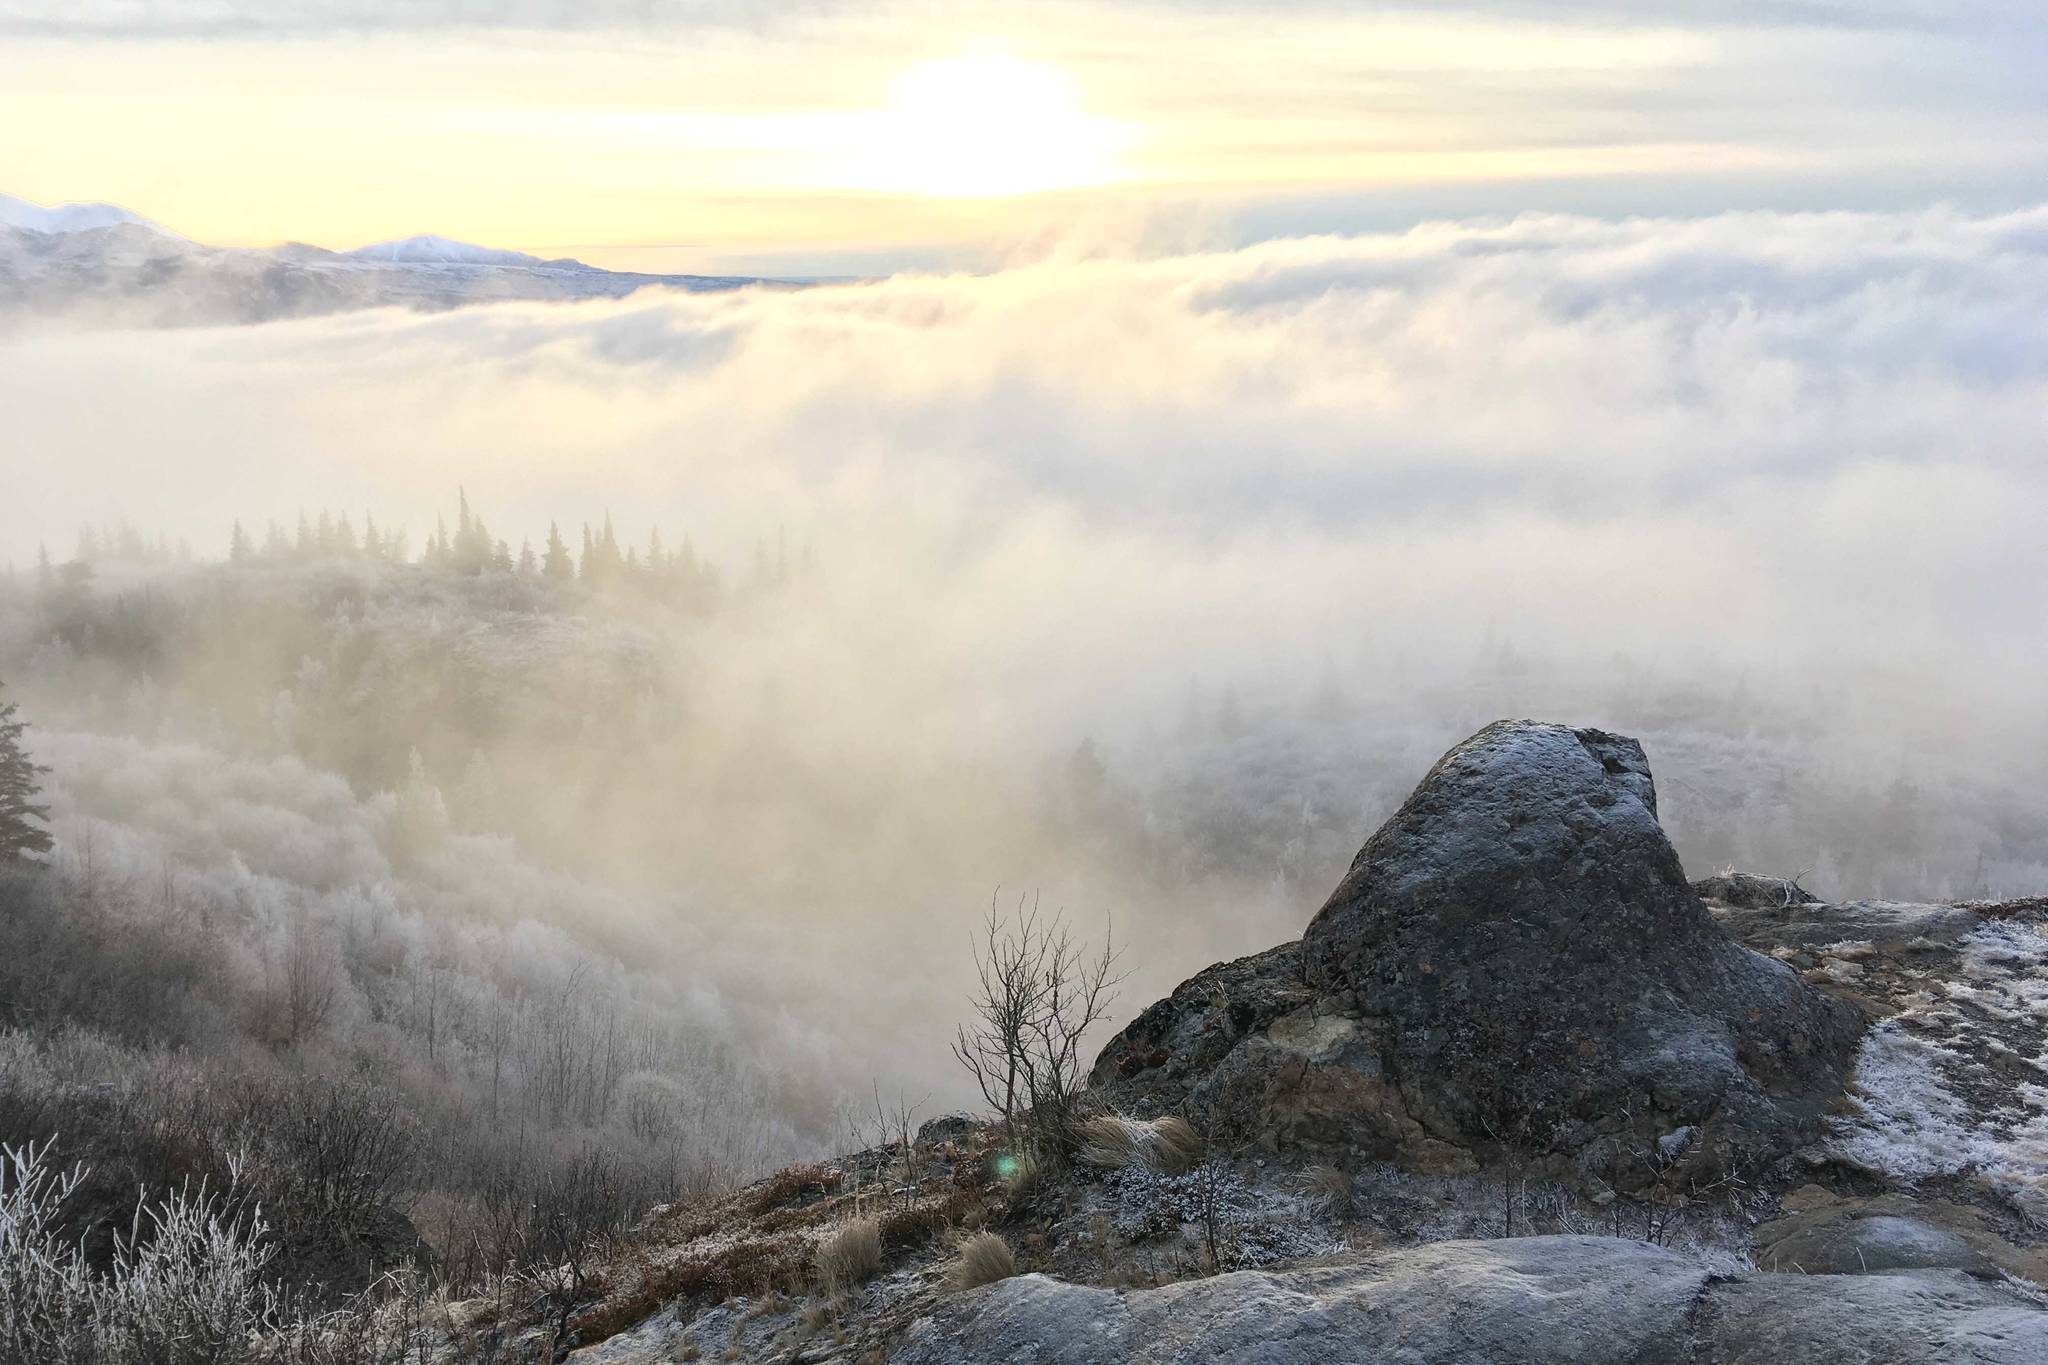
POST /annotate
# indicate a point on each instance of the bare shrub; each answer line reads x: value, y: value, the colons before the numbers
x: 851, y: 1256
x: 982, y: 1259
x: 301, y: 986
x: 332, y: 1151
x: 46, y: 1292
x: 184, y: 1287
x: 1168, y: 1145
x: 1039, y: 991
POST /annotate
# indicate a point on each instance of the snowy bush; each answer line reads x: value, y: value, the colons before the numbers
x: 184, y: 1286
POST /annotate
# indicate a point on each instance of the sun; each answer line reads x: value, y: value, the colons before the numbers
x: 987, y: 126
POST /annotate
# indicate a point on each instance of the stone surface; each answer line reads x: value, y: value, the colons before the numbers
x: 660, y: 1338
x: 1534, y: 1300
x: 1887, y: 926
x: 1925, y: 1317
x: 1747, y: 891
x: 1822, y: 1232
x: 1514, y: 958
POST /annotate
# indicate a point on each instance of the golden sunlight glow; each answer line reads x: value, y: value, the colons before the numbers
x: 985, y: 126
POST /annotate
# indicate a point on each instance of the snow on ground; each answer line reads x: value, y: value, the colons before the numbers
x: 1957, y: 1082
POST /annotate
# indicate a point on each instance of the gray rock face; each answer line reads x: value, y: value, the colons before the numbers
x: 1534, y: 1300
x: 1527, y: 927
x: 1514, y: 957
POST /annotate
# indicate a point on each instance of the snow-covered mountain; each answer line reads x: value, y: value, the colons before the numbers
x: 19, y: 213
x: 98, y: 264
x: 430, y: 250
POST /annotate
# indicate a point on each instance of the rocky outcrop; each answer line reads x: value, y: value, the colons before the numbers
x: 1535, y: 1300
x: 1514, y: 959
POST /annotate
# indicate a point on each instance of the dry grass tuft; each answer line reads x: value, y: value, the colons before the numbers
x: 1168, y: 1145
x: 1020, y: 1173
x: 984, y: 1258
x: 851, y: 1256
x: 1328, y: 1188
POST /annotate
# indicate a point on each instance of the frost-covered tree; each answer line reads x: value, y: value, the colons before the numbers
x: 20, y: 816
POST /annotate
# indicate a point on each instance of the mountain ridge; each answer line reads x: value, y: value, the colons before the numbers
x: 99, y: 264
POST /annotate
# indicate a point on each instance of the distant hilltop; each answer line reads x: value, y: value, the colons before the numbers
x: 99, y: 264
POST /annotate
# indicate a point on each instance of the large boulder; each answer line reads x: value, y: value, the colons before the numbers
x: 1514, y: 959
x: 1583, y: 1300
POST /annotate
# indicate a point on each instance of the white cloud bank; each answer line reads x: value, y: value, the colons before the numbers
x: 1768, y: 437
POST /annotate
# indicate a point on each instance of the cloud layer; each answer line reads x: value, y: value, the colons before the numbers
x: 1799, y: 436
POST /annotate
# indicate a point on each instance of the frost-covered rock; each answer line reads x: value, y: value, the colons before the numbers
x: 1533, y: 1300
x: 1514, y: 958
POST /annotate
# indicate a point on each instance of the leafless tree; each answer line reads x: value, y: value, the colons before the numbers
x: 893, y: 1121
x: 1039, y: 991
x: 306, y: 983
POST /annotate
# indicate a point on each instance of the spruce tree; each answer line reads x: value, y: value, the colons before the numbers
x: 557, y: 565
x: 20, y: 839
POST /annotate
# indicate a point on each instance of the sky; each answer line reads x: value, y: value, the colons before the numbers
x: 812, y: 137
